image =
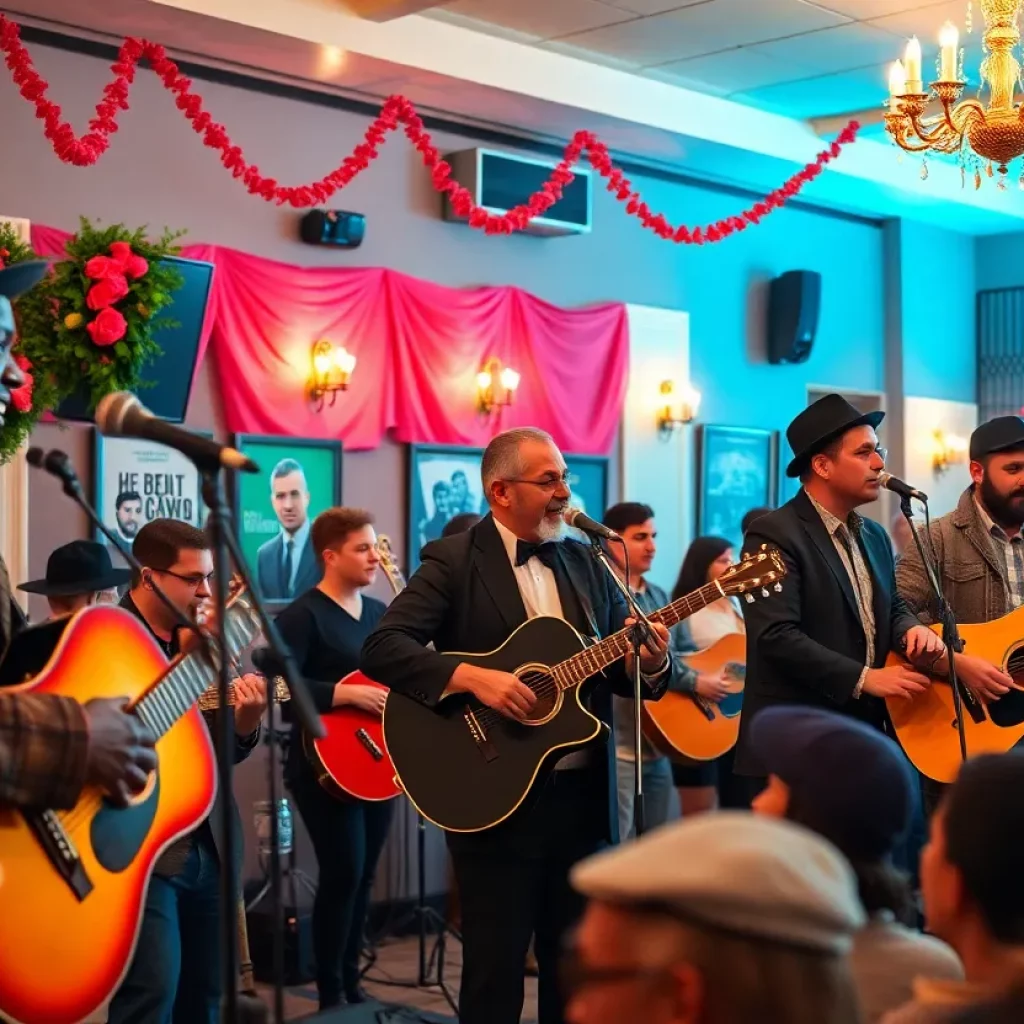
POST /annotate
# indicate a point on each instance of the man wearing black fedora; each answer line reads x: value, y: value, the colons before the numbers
x: 51, y: 746
x: 823, y: 640
x: 77, y: 575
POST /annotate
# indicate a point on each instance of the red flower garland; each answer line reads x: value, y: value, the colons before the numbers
x: 21, y: 398
x: 397, y: 110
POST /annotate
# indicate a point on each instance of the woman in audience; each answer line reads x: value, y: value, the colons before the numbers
x: 703, y: 785
x: 851, y: 785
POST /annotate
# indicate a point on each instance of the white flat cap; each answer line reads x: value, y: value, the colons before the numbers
x: 756, y: 876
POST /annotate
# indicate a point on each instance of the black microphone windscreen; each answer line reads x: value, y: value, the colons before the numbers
x: 34, y: 457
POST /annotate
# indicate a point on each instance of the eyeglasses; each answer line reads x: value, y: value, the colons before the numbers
x: 574, y: 975
x: 546, y: 483
x: 195, y: 582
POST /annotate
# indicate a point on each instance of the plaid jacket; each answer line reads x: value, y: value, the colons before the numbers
x: 44, y: 740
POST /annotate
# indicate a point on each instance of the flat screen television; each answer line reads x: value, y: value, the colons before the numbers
x: 173, y: 371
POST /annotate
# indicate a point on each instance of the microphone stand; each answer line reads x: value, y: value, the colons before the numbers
x: 950, y: 633
x: 640, y: 633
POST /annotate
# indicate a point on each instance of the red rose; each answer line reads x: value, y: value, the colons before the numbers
x: 108, y: 327
x: 106, y: 293
x: 136, y: 267
x: 22, y: 397
x: 99, y: 268
x: 121, y: 253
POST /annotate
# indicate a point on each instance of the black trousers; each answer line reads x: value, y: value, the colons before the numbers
x: 513, y: 884
x: 347, y: 836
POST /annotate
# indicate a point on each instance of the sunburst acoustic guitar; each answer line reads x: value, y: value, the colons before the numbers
x: 467, y: 768
x: 350, y: 759
x: 926, y: 723
x: 687, y: 725
x: 73, y: 883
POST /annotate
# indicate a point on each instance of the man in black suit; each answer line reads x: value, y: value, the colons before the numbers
x: 287, y: 566
x: 471, y: 591
x: 823, y: 640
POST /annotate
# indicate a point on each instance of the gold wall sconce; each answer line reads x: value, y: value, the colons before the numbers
x: 678, y: 407
x: 947, y: 449
x: 495, y: 386
x: 332, y: 370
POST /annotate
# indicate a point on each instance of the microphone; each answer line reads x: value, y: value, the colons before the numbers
x: 58, y: 464
x: 575, y: 518
x: 897, y: 486
x: 121, y: 414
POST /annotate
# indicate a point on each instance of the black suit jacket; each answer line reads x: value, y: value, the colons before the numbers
x: 270, y: 570
x: 464, y: 597
x: 806, y: 644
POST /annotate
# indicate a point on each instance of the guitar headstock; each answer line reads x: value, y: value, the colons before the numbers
x: 756, y: 571
x: 388, y: 564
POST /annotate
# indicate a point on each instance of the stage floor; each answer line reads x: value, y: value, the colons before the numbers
x: 398, y: 960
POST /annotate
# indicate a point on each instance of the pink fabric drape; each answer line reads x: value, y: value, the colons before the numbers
x: 418, y: 348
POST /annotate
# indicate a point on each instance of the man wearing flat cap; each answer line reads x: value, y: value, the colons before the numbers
x: 823, y: 640
x: 980, y: 553
x: 50, y: 745
x: 719, y: 919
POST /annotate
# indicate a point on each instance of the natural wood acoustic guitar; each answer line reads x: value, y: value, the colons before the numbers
x: 926, y: 723
x: 688, y: 725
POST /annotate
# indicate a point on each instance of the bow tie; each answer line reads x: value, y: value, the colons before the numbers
x: 546, y: 552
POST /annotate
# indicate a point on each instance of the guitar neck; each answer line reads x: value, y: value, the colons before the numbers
x: 189, y: 676
x: 592, y: 660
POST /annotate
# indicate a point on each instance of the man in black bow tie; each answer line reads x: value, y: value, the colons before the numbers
x: 471, y: 591
x: 823, y: 641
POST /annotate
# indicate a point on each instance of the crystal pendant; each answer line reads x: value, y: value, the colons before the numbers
x: 777, y: 588
x: 749, y: 598
x: 924, y: 169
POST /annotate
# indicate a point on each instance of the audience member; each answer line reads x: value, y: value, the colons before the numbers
x: 754, y: 513
x: 78, y: 574
x: 725, y: 919
x: 460, y: 523
x: 852, y: 785
x: 974, y: 889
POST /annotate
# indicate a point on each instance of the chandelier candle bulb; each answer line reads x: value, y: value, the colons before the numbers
x: 912, y: 64
x: 897, y: 80
x: 949, y: 39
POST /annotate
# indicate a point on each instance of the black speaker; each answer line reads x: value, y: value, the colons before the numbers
x: 298, y: 943
x: 794, y: 302
x: 339, y: 228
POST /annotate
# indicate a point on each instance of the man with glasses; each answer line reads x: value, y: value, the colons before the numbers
x: 471, y: 591
x: 823, y: 640
x: 176, y: 972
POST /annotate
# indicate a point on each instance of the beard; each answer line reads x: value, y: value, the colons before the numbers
x: 551, y: 529
x: 1005, y: 509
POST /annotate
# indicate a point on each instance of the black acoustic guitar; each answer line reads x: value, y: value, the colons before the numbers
x: 466, y: 768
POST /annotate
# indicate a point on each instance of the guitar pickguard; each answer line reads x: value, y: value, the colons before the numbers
x: 117, y: 833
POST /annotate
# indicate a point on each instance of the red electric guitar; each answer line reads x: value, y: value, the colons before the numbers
x: 351, y: 760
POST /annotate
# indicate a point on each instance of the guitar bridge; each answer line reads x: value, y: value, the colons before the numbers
x: 367, y: 741
x: 476, y: 730
x: 60, y: 851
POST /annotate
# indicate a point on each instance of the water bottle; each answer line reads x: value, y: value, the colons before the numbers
x: 263, y: 809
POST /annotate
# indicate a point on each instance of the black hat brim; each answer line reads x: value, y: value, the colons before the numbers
x: 17, y: 279
x: 800, y: 460
x: 114, y: 578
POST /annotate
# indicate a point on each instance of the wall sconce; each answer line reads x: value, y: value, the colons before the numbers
x: 947, y: 449
x: 332, y: 369
x: 678, y: 408
x: 495, y: 386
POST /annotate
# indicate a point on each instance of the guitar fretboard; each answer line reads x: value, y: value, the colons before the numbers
x: 187, y: 678
x: 592, y: 660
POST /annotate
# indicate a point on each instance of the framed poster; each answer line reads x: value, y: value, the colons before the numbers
x: 274, y: 509
x: 444, y: 481
x: 138, y: 481
x: 737, y: 470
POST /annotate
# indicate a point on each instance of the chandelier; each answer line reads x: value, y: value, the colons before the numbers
x: 993, y: 133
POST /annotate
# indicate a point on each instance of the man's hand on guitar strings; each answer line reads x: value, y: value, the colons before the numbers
x: 986, y: 681
x: 366, y: 698
x: 712, y: 686
x: 923, y: 646
x: 121, y: 750
x: 250, y: 702
x: 503, y: 691
x: 654, y: 653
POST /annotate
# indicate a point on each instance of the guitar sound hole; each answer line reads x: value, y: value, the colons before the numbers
x: 539, y: 680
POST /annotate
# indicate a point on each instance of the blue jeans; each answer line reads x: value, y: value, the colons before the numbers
x: 661, y: 802
x: 175, y: 975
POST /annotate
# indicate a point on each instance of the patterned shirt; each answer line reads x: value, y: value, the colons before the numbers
x: 1012, y: 551
x: 844, y: 537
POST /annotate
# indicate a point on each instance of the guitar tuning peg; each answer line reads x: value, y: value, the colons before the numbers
x: 764, y: 591
x: 749, y: 597
x: 777, y: 588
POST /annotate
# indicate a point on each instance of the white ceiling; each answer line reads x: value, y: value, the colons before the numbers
x: 799, y: 58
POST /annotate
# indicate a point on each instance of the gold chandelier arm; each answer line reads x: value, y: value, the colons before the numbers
x: 960, y: 116
x: 898, y: 126
x: 935, y: 133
